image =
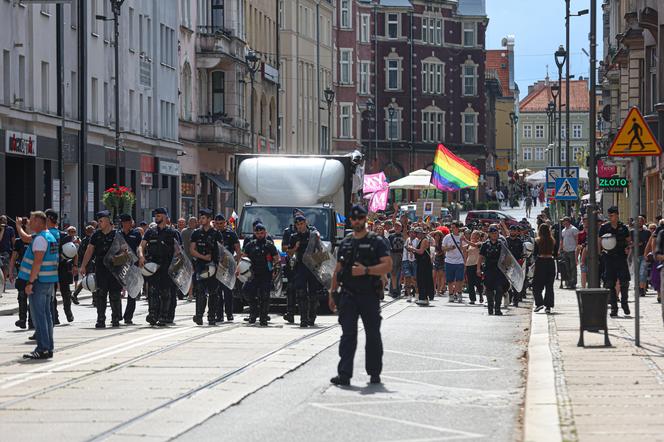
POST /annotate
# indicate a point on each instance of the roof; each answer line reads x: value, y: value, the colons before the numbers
x: 498, y: 62
x: 396, y: 3
x: 538, y: 98
x: 475, y: 8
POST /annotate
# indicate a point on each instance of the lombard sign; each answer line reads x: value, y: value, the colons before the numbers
x: 169, y: 168
x: 18, y: 143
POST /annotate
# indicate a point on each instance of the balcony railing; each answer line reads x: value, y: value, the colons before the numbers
x: 215, y: 30
x: 223, y: 129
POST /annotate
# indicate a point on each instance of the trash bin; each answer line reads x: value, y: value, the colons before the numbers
x: 592, y: 312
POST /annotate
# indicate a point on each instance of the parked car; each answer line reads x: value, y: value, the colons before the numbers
x: 490, y: 216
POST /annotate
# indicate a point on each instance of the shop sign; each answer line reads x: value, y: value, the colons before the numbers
x: 18, y: 143
x: 146, y: 179
x: 168, y: 168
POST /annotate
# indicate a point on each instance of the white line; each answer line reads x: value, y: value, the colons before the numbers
x: 442, y: 371
x: 444, y: 387
x: 437, y: 359
x: 364, y: 403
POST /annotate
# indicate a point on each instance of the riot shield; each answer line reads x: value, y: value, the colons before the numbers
x: 226, y: 267
x: 277, y: 283
x: 181, y: 270
x: 121, y: 260
x: 511, y: 268
x: 319, y: 260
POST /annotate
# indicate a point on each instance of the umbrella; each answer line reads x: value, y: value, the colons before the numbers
x: 524, y: 171
x: 418, y: 180
x: 539, y: 177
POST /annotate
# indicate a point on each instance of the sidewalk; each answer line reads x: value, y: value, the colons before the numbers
x: 595, y: 393
x: 9, y: 301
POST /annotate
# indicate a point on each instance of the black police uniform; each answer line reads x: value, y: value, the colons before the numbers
x: 89, y: 268
x: 359, y: 297
x: 515, y: 246
x: 289, y: 273
x: 615, y: 266
x: 160, y: 248
x: 261, y: 252
x: 23, y: 310
x: 206, y: 244
x: 175, y: 292
x: 228, y: 238
x: 107, y: 285
x: 307, y: 287
x: 133, y: 239
x: 65, y: 278
x: 494, y: 280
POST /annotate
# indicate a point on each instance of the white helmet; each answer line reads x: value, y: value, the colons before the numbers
x: 244, y: 270
x: 69, y: 250
x: 528, y: 248
x: 89, y: 282
x: 149, y: 269
x: 609, y: 241
x: 209, y: 271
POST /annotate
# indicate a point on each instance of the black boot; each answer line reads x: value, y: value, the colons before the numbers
x: 304, y: 308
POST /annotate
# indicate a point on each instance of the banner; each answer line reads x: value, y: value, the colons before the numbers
x: 377, y: 190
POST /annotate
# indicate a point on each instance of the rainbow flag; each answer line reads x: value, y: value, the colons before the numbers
x: 451, y: 173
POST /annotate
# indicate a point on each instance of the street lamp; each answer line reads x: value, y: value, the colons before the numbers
x: 371, y: 109
x: 514, y: 119
x: 551, y: 113
x: 329, y: 98
x: 390, y: 112
x: 560, y: 57
x: 116, y: 5
x: 593, y: 258
x: 253, y: 64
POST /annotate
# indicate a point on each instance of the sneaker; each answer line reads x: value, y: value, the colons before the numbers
x: 451, y: 298
x: 229, y: 317
x: 340, y: 380
x: 472, y: 302
x: 422, y: 302
x: 37, y: 355
x: 289, y: 317
x: 252, y: 319
x: 302, y: 324
x: 70, y: 317
x: 263, y: 323
x: 115, y: 324
x: 539, y: 308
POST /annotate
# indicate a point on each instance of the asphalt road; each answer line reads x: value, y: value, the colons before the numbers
x: 450, y: 372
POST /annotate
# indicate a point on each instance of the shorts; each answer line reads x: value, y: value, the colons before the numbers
x: 454, y: 272
x: 408, y: 269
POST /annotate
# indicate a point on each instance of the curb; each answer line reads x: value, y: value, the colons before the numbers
x: 13, y: 308
x: 541, y: 418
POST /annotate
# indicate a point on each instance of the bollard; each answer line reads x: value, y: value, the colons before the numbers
x: 592, y: 312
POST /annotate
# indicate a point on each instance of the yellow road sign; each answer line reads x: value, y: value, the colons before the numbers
x: 634, y: 138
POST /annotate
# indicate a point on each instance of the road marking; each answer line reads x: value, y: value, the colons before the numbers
x: 445, y: 387
x: 439, y: 359
x: 454, y: 370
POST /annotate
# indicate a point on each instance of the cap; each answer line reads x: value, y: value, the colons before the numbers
x: 418, y: 230
x: 514, y: 227
x: 125, y: 217
x: 258, y: 227
x: 256, y: 222
x: 613, y: 209
x: 161, y: 210
x: 493, y: 229
x: 103, y: 214
x: 567, y: 218
x: 299, y: 218
x: 205, y: 212
x: 143, y: 223
x: 52, y: 215
x: 358, y: 211
x: 220, y: 217
x: 297, y: 212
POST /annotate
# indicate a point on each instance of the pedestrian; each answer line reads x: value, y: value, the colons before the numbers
x: 133, y: 239
x: 529, y: 204
x: 614, y: 237
x: 651, y: 266
x: 397, y: 240
x: 424, y: 268
x: 541, y: 195
x: 659, y: 260
x: 545, y: 269
x: 67, y: 268
x: 568, y: 251
x: 192, y: 223
x: 409, y: 266
x: 515, y: 246
x: 203, y: 249
x: 289, y: 272
x: 39, y: 271
x: 83, y: 246
x: 307, y: 287
x: 7, y: 241
x: 582, y: 251
x: 182, y: 224
x: 363, y: 259
x: 265, y: 266
x: 224, y: 294
x: 643, y: 236
x: 24, y: 316
x: 500, y: 196
x: 472, y: 257
x: 232, y: 244
x: 438, y: 263
x: 487, y: 269
x: 454, y: 262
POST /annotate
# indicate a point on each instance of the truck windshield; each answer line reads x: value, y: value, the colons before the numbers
x: 276, y: 219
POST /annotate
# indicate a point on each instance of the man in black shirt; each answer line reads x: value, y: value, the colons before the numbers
x: 289, y: 271
x: 615, y: 262
x: 307, y: 287
x: 265, y: 263
x: 85, y: 242
x: 487, y: 269
x: 397, y: 240
x: 133, y: 238
x: 203, y: 249
x: 515, y: 246
x: 231, y: 241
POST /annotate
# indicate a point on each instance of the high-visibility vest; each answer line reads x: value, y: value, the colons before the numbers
x: 48, y: 272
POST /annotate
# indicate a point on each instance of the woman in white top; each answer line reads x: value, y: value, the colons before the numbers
x: 408, y: 266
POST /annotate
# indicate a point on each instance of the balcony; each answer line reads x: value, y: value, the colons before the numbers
x: 223, y: 130
x: 215, y: 45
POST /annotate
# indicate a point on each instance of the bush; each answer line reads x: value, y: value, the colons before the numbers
x: 480, y: 205
x: 493, y: 205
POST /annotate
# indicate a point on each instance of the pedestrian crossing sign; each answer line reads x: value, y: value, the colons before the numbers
x: 567, y: 189
x: 634, y: 138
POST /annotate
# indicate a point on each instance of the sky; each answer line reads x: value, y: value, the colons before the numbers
x: 539, y: 28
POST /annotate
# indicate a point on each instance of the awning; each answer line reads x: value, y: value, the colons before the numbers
x: 220, y: 181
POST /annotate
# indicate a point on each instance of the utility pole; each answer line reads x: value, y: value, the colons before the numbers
x: 59, y: 26
x: 277, y: 101
x: 568, y: 206
x: 116, y: 30
x: 593, y: 255
x: 83, y: 112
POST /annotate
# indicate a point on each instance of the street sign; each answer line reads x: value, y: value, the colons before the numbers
x: 615, y: 184
x: 634, y: 138
x: 567, y: 189
x: 552, y: 173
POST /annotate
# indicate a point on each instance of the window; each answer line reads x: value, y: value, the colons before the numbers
x: 469, y: 128
x: 345, y: 14
x: 539, y: 131
x: 107, y: 115
x: 217, y: 14
x: 281, y: 14
x: 539, y: 154
x: 21, y: 82
x: 392, y: 25
x: 44, y: 86
x: 432, y: 78
x: 393, y: 124
x: 132, y: 111
x: 469, y: 79
x: 364, y: 77
x: 94, y: 100
x: 579, y: 153
x: 140, y: 34
x: 148, y: 39
x: 393, y: 80
x: 73, y: 14
x: 432, y: 126
x: 527, y: 131
x: 186, y: 92
x: 576, y: 131
x: 94, y: 23
x: 527, y: 154
x: 345, y: 68
x: 364, y: 28
x: 132, y: 44
x: 167, y: 44
x: 432, y: 30
x: 346, y: 120
x: 563, y: 131
x: 218, y: 92
x: 149, y: 116
x: 563, y: 154
x: 469, y: 34
x: 6, y: 78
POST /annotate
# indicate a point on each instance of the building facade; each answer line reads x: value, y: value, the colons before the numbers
x: 410, y: 75
x: 30, y: 164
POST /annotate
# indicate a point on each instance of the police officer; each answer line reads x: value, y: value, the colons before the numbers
x: 203, y: 249
x: 107, y: 285
x: 85, y: 242
x: 487, y: 268
x: 67, y: 267
x: 615, y: 260
x: 158, y: 246
x: 356, y: 287
x: 133, y: 238
x: 232, y: 244
x: 289, y: 316
x: 515, y: 246
x: 265, y: 263
x: 307, y: 287
x: 224, y: 295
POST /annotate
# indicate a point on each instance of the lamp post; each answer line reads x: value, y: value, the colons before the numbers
x: 253, y: 64
x: 560, y: 57
x: 550, y: 113
x: 514, y: 119
x: 371, y: 109
x: 116, y: 6
x: 329, y: 98
x: 390, y: 112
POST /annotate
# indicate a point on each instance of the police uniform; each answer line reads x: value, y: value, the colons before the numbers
x: 107, y: 285
x: 307, y: 287
x: 615, y: 265
x: 133, y: 239
x: 65, y: 277
x: 515, y: 246
x: 359, y: 298
x: 228, y: 239
x: 160, y: 248
x: 89, y: 267
x: 289, y: 274
x: 205, y: 242
x: 262, y: 253
x: 494, y: 280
